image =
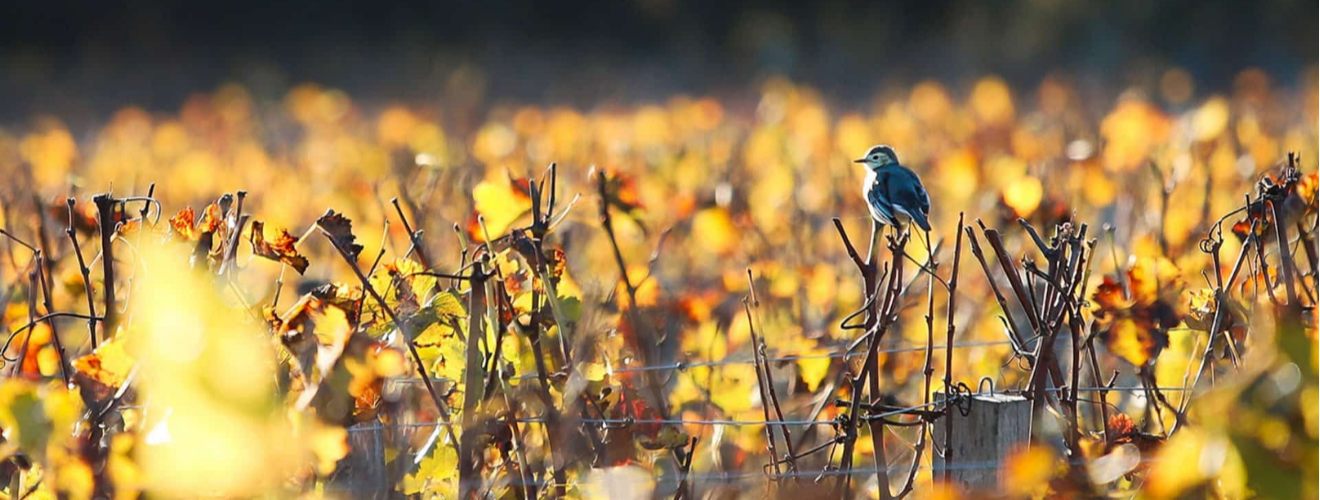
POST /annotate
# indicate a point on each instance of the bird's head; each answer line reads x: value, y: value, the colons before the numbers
x: 877, y: 157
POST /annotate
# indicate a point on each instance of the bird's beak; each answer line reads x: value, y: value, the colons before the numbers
x: 860, y: 160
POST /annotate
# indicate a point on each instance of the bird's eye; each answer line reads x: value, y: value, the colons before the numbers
x: 876, y: 157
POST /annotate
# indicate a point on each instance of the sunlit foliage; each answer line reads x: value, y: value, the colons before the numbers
x: 599, y: 356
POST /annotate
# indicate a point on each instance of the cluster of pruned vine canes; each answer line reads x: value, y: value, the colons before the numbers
x: 1042, y: 297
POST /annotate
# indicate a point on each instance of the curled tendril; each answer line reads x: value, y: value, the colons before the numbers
x: 962, y: 396
x: 1214, y: 236
x: 149, y: 200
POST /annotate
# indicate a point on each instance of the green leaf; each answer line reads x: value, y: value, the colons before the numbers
x: 447, y: 304
x: 402, y: 287
x: 670, y: 437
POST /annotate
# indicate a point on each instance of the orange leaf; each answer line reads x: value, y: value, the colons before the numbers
x: 1121, y: 426
x: 1134, y: 325
x: 1306, y: 188
x: 182, y: 223
x: 633, y: 405
x: 1151, y: 279
x: 101, y: 373
x: 34, y: 340
x: 280, y: 249
x: 185, y: 222
x: 556, y: 261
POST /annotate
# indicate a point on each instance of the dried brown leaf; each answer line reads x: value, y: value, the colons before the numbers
x: 340, y: 229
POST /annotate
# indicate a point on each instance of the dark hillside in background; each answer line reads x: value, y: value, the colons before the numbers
x: 84, y: 58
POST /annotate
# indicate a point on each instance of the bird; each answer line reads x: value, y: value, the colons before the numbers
x: 894, y: 193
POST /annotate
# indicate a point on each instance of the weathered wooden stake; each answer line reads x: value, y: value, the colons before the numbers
x: 994, y: 426
x: 105, y: 206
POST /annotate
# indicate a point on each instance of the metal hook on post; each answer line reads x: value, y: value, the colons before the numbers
x: 981, y: 385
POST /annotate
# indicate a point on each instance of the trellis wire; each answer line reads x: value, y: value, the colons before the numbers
x: 797, y: 357
x: 740, y: 423
x: 736, y: 423
x: 683, y: 365
x: 727, y: 477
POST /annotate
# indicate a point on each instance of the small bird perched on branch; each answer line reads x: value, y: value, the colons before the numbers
x: 894, y: 193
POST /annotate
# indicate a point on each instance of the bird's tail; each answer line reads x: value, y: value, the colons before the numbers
x: 920, y: 219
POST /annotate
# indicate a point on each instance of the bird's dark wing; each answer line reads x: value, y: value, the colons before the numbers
x: 925, y: 198
x: 905, y: 190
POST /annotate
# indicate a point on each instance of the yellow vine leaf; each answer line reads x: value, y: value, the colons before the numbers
x: 500, y: 203
x: 813, y: 368
x: 437, y: 472
x: 106, y: 369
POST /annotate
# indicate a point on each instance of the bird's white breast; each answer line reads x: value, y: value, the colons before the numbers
x: 869, y: 184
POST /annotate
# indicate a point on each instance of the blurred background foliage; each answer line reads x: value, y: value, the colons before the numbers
x: 727, y: 132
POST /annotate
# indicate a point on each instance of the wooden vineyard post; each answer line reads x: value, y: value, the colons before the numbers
x: 994, y: 426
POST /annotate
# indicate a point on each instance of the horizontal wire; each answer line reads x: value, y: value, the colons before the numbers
x: 739, y: 423
x: 683, y: 365
x: 714, y: 422
x: 799, y: 358
x: 1133, y: 388
x: 726, y: 477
